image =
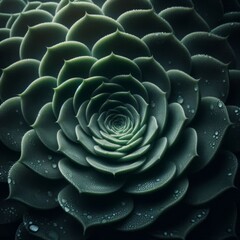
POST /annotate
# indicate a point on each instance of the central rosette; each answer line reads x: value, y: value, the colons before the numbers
x: 113, y: 123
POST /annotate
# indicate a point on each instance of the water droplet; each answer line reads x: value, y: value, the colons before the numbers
x: 211, y: 107
x: 180, y: 100
x: 50, y: 157
x: 33, y: 228
x: 165, y: 233
x: 192, y: 220
x: 229, y: 230
x: 66, y: 209
x: 199, y: 215
x: 176, y: 191
x: 196, y: 88
x: 89, y: 217
x: 9, y: 180
x: 229, y: 174
x: 54, y: 165
x: 64, y: 200
x: 220, y: 104
x: 216, y: 133
x: 157, y: 180
x: 104, y: 221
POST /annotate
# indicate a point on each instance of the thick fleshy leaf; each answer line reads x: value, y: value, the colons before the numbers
x: 175, y: 122
x: 182, y: 221
x: 39, y: 158
x: 55, y: 56
x: 73, y: 11
x: 30, y: 188
x: 120, y: 43
x: 151, y: 181
x: 157, y: 99
x: 52, y: 224
x: 81, y: 117
x: 63, y: 92
x: 210, y: 124
x: 46, y: 127
x: 78, y: 67
x: 67, y: 120
x: 168, y: 51
x: 11, y: 211
x: 208, y: 43
x: 185, y: 91
x: 90, y: 214
x: 155, y: 154
x: 28, y: 19
x: 87, y: 180
x: 72, y: 150
x: 85, y: 140
x: 41, y: 36
x: 231, y: 31
x: 33, y: 99
x: 214, y: 80
x: 141, y: 22
x: 90, y: 28
x: 8, y: 158
x: 221, y: 222
x: 184, y: 151
x: 116, y: 8
x: 129, y: 83
x: 153, y: 72
x: 85, y: 90
x: 9, y: 48
x: 113, y: 65
x: 17, y: 77
x: 177, y: 18
x: 147, y: 209
x: 211, y: 185
x: 111, y: 168
x: 12, y: 124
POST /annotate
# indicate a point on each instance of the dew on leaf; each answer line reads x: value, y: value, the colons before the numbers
x: 180, y: 100
x: 33, y: 228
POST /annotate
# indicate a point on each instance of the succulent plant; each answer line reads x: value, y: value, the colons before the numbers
x: 119, y: 119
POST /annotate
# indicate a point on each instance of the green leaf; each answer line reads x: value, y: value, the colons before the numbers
x: 184, y: 151
x: 157, y: 99
x: 168, y: 51
x: 147, y: 209
x: 28, y: 19
x: 12, y: 124
x: 129, y: 83
x: 72, y: 150
x: 149, y: 182
x: 63, y: 92
x: 175, y: 122
x: 203, y: 42
x: 85, y: 90
x: 115, y: 8
x: 67, y: 120
x: 114, y: 65
x: 56, y: 55
x: 113, y: 168
x: 153, y: 72
x: 90, y: 214
x: 51, y: 224
x: 32, y: 189
x: 180, y: 222
x: 90, y: 28
x: 212, y: 185
x: 39, y: 158
x: 74, y: 11
x: 33, y: 99
x: 185, y: 91
x: 89, y: 181
x: 46, y: 127
x: 16, y: 77
x: 214, y: 80
x: 121, y: 43
x: 155, y: 154
x: 141, y: 22
x: 210, y: 124
x: 78, y: 67
x: 39, y: 37
x: 177, y: 17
